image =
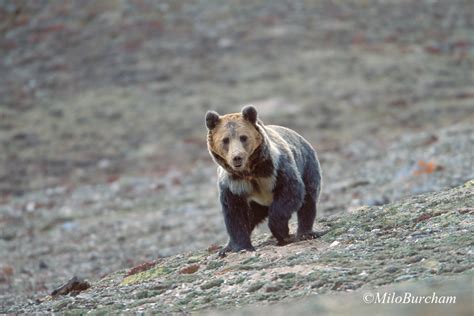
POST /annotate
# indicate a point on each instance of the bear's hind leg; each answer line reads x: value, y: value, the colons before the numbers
x: 307, y: 212
x: 306, y: 215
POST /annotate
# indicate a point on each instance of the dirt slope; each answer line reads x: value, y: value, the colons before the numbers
x: 414, y: 239
x: 103, y: 161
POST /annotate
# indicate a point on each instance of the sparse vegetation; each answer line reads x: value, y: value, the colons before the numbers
x: 104, y: 171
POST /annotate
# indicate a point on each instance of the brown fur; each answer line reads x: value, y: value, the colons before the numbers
x: 272, y: 173
x: 233, y: 126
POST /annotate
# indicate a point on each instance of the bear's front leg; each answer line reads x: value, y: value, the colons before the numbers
x: 236, y: 216
x: 287, y: 198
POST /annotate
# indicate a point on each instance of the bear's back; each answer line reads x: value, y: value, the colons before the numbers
x: 293, y: 144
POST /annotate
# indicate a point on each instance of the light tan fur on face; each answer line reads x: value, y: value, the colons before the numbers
x: 233, y: 126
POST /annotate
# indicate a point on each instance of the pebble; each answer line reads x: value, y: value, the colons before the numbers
x: 414, y: 259
x: 212, y: 284
x: 405, y: 277
x: 272, y: 288
x: 391, y: 269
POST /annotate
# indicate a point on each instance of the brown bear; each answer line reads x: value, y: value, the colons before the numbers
x: 264, y: 171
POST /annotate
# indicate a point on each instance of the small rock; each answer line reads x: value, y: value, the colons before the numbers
x: 59, y: 305
x: 414, y: 259
x: 352, y: 286
x: 6, y: 273
x: 73, y: 286
x: 212, y: 284
x: 194, y: 259
x: 189, y: 269
x: 69, y: 226
x: 103, y: 164
x: 461, y: 268
x: 334, y: 244
x: 142, y: 267
x: 432, y: 265
x: 336, y: 285
x: 318, y: 284
x: 445, y: 268
x: 213, y: 248
x: 404, y: 277
x: 391, y: 269
x: 43, y: 265
x: 7, y: 270
x: 423, y: 217
x: 255, y: 287
x: 272, y: 288
x: 378, y: 202
x: 225, y: 43
x: 142, y: 294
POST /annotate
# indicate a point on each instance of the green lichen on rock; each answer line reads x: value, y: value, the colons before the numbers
x: 213, y: 265
x: 211, y: 284
x: 469, y: 184
x: 144, y: 276
x: 255, y: 287
x: 195, y: 259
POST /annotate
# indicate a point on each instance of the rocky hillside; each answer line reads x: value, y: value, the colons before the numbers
x: 104, y: 167
x: 420, y: 238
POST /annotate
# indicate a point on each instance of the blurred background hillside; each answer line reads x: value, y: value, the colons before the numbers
x: 103, y: 159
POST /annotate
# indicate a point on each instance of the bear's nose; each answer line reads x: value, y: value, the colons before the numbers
x: 237, y: 161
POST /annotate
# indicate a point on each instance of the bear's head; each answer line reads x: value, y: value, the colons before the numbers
x: 233, y: 138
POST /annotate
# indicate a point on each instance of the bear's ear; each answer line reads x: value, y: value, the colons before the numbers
x: 212, y: 118
x: 250, y: 113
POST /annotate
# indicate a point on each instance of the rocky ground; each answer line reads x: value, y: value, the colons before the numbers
x: 416, y: 238
x: 103, y: 161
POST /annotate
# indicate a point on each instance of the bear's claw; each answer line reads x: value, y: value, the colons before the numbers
x: 310, y: 235
x: 223, y: 252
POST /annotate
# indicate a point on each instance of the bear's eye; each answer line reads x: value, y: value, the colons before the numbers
x: 226, y: 141
x: 243, y: 138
